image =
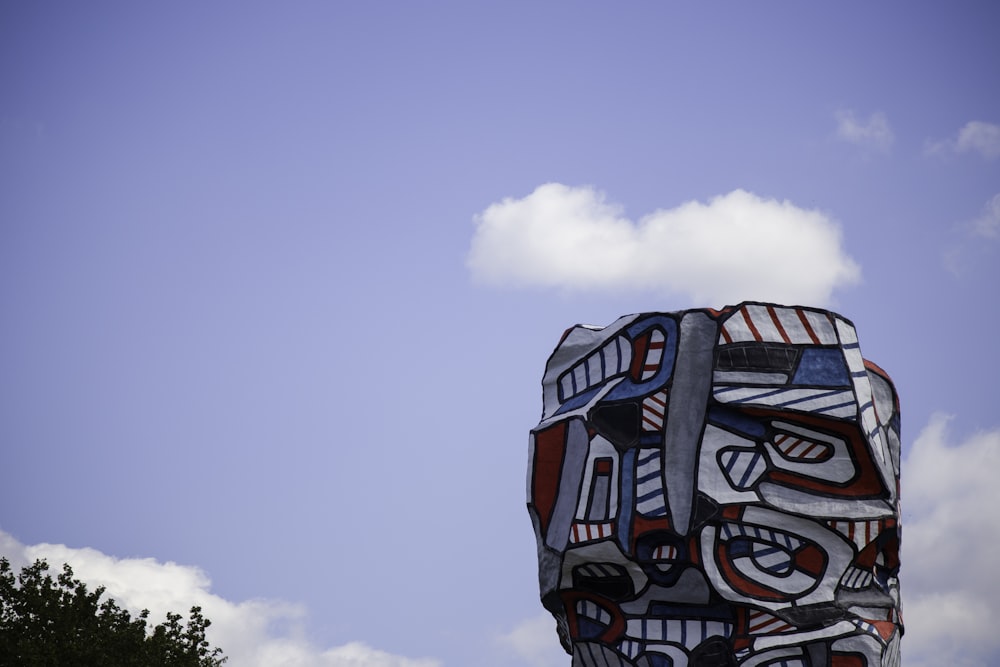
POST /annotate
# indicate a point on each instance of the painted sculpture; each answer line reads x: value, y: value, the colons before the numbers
x: 719, y: 487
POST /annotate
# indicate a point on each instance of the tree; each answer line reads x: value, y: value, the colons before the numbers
x: 46, y: 622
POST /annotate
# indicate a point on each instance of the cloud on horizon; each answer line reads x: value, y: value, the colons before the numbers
x: 738, y: 246
x: 873, y: 132
x: 976, y: 136
x: 536, y: 642
x: 951, y: 534
x: 246, y: 631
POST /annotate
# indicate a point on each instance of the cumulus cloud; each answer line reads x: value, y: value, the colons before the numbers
x: 873, y: 132
x: 983, y: 138
x: 987, y: 225
x: 253, y: 633
x: 976, y: 136
x: 970, y: 249
x: 951, y: 535
x: 535, y: 641
x: 737, y: 246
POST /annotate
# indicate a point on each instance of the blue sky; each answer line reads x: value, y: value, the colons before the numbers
x: 278, y: 285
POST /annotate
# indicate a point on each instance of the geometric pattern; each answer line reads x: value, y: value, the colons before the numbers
x: 717, y: 487
x: 654, y: 354
x: 688, y: 632
x: 611, y: 360
x: 861, y: 533
x: 768, y: 323
x: 793, y: 447
x: 856, y: 578
x: 763, y: 623
x: 830, y: 402
x: 586, y: 532
x: 743, y: 467
x: 592, y: 611
x: 654, y: 411
x: 649, y: 484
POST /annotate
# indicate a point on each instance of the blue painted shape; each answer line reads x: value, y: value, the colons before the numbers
x: 589, y: 629
x: 736, y: 421
x: 720, y: 612
x: 579, y: 400
x: 625, y: 507
x: 651, y: 440
x: 822, y: 366
x: 738, y: 547
x: 631, y: 389
x: 659, y: 660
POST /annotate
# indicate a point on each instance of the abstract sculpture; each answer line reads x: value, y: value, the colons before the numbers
x: 719, y: 488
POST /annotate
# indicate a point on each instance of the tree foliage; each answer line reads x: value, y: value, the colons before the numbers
x: 51, y: 622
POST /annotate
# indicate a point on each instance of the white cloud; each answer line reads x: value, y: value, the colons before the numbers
x: 951, y: 535
x: 988, y: 224
x: 975, y: 136
x: 737, y: 246
x: 248, y: 632
x: 983, y: 138
x: 871, y: 133
x: 535, y: 641
x: 357, y: 654
x: 969, y: 249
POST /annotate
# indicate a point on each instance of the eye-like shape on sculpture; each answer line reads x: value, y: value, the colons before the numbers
x: 719, y: 488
